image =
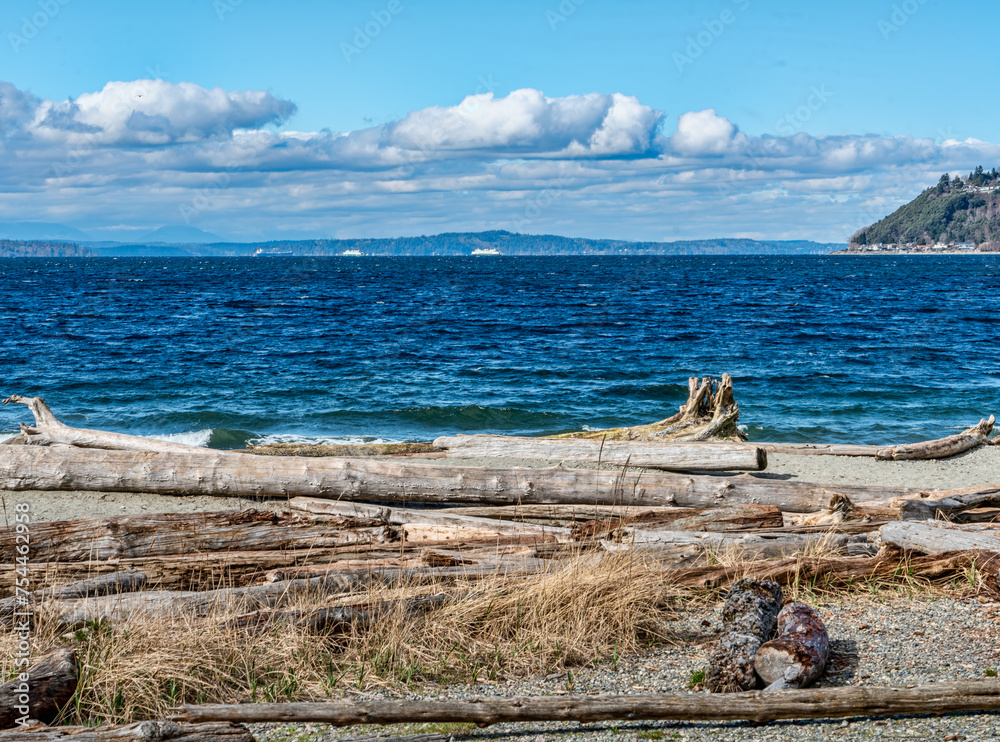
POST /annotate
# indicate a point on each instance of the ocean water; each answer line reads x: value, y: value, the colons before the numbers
x: 219, y: 351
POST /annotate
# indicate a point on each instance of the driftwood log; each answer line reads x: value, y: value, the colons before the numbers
x: 136, y: 536
x: 797, y: 656
x: 710, y: 412
x: 938, y: 537
x: 41, y: 692
x: 205, y: 472
x: 976, y: 436
x: 811, y: 703
x: 142, y: 731
x: 116, y: 582
x: 654, y: 455
x: 427, y: 525
x: 732, y: 519
x: 749, y: 618
x: 951, y: 507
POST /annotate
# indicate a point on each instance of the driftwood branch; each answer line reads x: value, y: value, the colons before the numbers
x: 938, y: 537
x: 813, y: 703
x: 942, y: 448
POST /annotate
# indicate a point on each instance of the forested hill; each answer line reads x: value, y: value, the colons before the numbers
x: 467, y: 243
x: 42, y: 249
x: 955, y: 210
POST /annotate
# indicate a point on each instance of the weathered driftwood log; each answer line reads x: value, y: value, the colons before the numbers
x: 48, y: 431
x: 797, y: 656
x: 948, y: 507
x: 811, y: 703
x: 654, y: 455
x: 427, y: 525
x: 936, y: 449
x: 710, y: 412
x: 116, y: 608
x: 744, y: 545
x: 824, y: 572
x: 135, y: 536
x: 732, y: 519
x: 938, y: 537
x: 349, y: 450
x: 41, y: 691
x: 142, y: 731
x: 219, y: 473
x: 116, y: 582
x: 976, y: 436
x: 563, y: 515
x: 749, y: 618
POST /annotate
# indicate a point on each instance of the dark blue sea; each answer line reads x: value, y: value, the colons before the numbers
x: 219, y: 351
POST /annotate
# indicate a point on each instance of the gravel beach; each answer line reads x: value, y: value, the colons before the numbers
x: 879, y: 641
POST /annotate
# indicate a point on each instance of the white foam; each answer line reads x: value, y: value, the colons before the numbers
x: 195, y: 438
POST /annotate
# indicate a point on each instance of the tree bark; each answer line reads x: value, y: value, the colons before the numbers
x: 232, y: 474
x: 746, y: 545
x: 710, y: 412
x: 50, y: 684
x: 653, y: 455
x: 732, y: 519
x: 948, y: 507
x: 142, y: 731
x: 797, y: 656
x: 137, y: 536
x: 813, y: 703
x: 417, y: 524
x: 749, y: 618
x: 939, y: 537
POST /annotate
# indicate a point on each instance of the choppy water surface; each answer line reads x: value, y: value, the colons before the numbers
x: 867, y: 349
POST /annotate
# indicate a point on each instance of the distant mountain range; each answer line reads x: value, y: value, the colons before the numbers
x: 449, y: 244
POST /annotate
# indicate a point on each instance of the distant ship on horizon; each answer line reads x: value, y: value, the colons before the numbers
x: 486, y: 251
x: 353, y: 253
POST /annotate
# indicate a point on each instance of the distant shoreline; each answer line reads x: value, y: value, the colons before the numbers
x: 880, y: 253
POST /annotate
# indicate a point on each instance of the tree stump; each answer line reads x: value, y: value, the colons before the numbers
x: 749, y: 618
x: 797, y: 656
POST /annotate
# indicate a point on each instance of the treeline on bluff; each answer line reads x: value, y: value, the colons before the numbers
x: 955, y: 210
x: 41, y: 249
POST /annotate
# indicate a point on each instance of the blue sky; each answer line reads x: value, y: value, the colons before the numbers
x: 629, y: 119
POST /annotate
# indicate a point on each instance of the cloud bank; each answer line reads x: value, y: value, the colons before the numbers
x: 140, y: 154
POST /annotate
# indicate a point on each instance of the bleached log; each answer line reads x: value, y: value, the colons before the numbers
x: 749, y: 618
x: 418, y: 524
x: 673, y: 456
x: 48, y: 687
x: 48, y: 431
x: 136, y: 536
x: 731, y: 519
x: 935, y: 537
x: 141, y: 731
x: 206, y: 472
x: 760, y: 707
x: 974, y: 437
x: 797, y: 656
x: 747, y: 546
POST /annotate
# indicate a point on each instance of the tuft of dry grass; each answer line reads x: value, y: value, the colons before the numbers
x: 586, y: 610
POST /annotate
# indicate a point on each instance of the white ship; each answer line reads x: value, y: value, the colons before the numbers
x: 353, y: 253
x: 486, y: 251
